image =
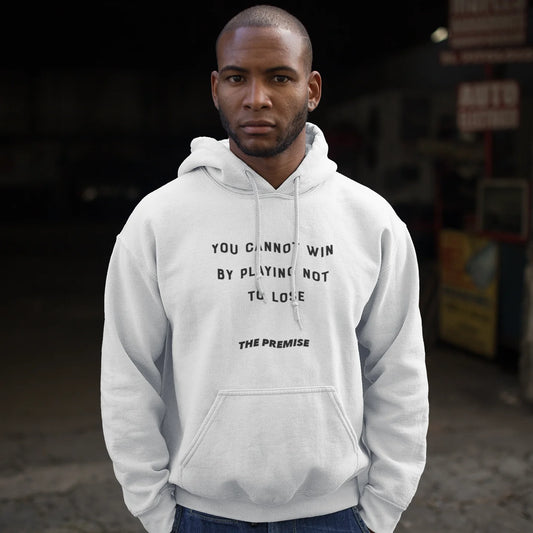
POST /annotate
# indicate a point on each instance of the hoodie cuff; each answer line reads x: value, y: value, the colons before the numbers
x: 379, y: 515
x: 160, y: 518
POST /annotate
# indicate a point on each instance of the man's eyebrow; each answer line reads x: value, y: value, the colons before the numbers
x: 233, y: 68
x: 281, y: 68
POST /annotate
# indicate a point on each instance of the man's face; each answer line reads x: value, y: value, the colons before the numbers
x: 263, y: 89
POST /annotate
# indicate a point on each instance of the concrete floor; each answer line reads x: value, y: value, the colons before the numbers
x: 55, y: 476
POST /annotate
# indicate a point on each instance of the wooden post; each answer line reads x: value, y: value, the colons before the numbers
x: 488, y: 133
x: 526, y: 352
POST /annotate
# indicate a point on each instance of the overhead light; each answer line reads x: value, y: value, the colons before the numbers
x: 439, y: 35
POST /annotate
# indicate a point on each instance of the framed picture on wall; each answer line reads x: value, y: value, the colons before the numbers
x: 503, y: 209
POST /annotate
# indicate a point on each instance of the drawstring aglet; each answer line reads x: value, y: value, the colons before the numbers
x: 259, y: 287
x: 296, y: 313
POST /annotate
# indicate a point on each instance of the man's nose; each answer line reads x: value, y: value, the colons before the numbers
x: 257, y: 96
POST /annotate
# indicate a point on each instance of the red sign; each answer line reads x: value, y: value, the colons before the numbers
x: 488, y: 105
x: 486, y: 23
x: 483, y: 56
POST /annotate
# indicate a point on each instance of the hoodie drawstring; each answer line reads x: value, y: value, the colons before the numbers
x: 296, y: 244
x: 258, y: 269
x: 295, y: 304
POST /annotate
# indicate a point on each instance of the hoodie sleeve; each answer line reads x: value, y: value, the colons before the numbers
x: 135, y: 329
x: 396, y: 389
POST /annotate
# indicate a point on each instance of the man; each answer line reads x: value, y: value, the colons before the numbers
x: 263, y: 364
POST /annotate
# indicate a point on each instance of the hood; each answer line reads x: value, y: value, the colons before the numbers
x: 233, y: 173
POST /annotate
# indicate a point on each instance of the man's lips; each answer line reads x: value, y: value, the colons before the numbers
x: 257, y: 127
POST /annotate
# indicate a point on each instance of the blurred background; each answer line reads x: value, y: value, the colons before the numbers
x: 428, y: 103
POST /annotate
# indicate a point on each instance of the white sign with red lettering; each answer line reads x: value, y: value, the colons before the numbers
x: 488, y: 105
x: 481, y: 23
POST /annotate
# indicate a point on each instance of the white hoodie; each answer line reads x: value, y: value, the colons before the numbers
x: 262, y: 353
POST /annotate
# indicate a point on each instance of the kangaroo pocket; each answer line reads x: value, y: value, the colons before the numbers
x: 266, y: 446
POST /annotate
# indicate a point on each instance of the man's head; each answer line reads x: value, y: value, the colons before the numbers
x: 265, y: 16
x: 264, y: 86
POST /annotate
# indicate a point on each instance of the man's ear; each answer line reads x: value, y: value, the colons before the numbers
x: 214, y: 87
x: 315, y: 90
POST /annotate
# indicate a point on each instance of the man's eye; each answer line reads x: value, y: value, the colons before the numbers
x: 279, y: 78
x: 235, y: 78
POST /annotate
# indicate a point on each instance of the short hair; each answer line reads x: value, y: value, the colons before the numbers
x: 266, y: 16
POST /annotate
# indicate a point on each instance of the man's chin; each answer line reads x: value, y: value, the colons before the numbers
x: 257, y: 148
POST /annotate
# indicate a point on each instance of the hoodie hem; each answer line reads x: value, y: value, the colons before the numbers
x: 299, y: 507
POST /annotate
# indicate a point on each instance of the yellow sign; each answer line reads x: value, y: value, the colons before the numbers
x: 468, y: 314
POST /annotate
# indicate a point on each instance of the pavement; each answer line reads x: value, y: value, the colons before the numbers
x: 56, y: 477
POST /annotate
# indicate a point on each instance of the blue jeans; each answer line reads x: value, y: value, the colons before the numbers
x: 347, y: 521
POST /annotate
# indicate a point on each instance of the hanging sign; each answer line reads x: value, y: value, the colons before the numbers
x: 486, y: 23
x: 484, y: 56
x: 488, y: 105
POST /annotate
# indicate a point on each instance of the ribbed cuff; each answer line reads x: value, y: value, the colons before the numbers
x: 379, y: 515
x: 160, y: 518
